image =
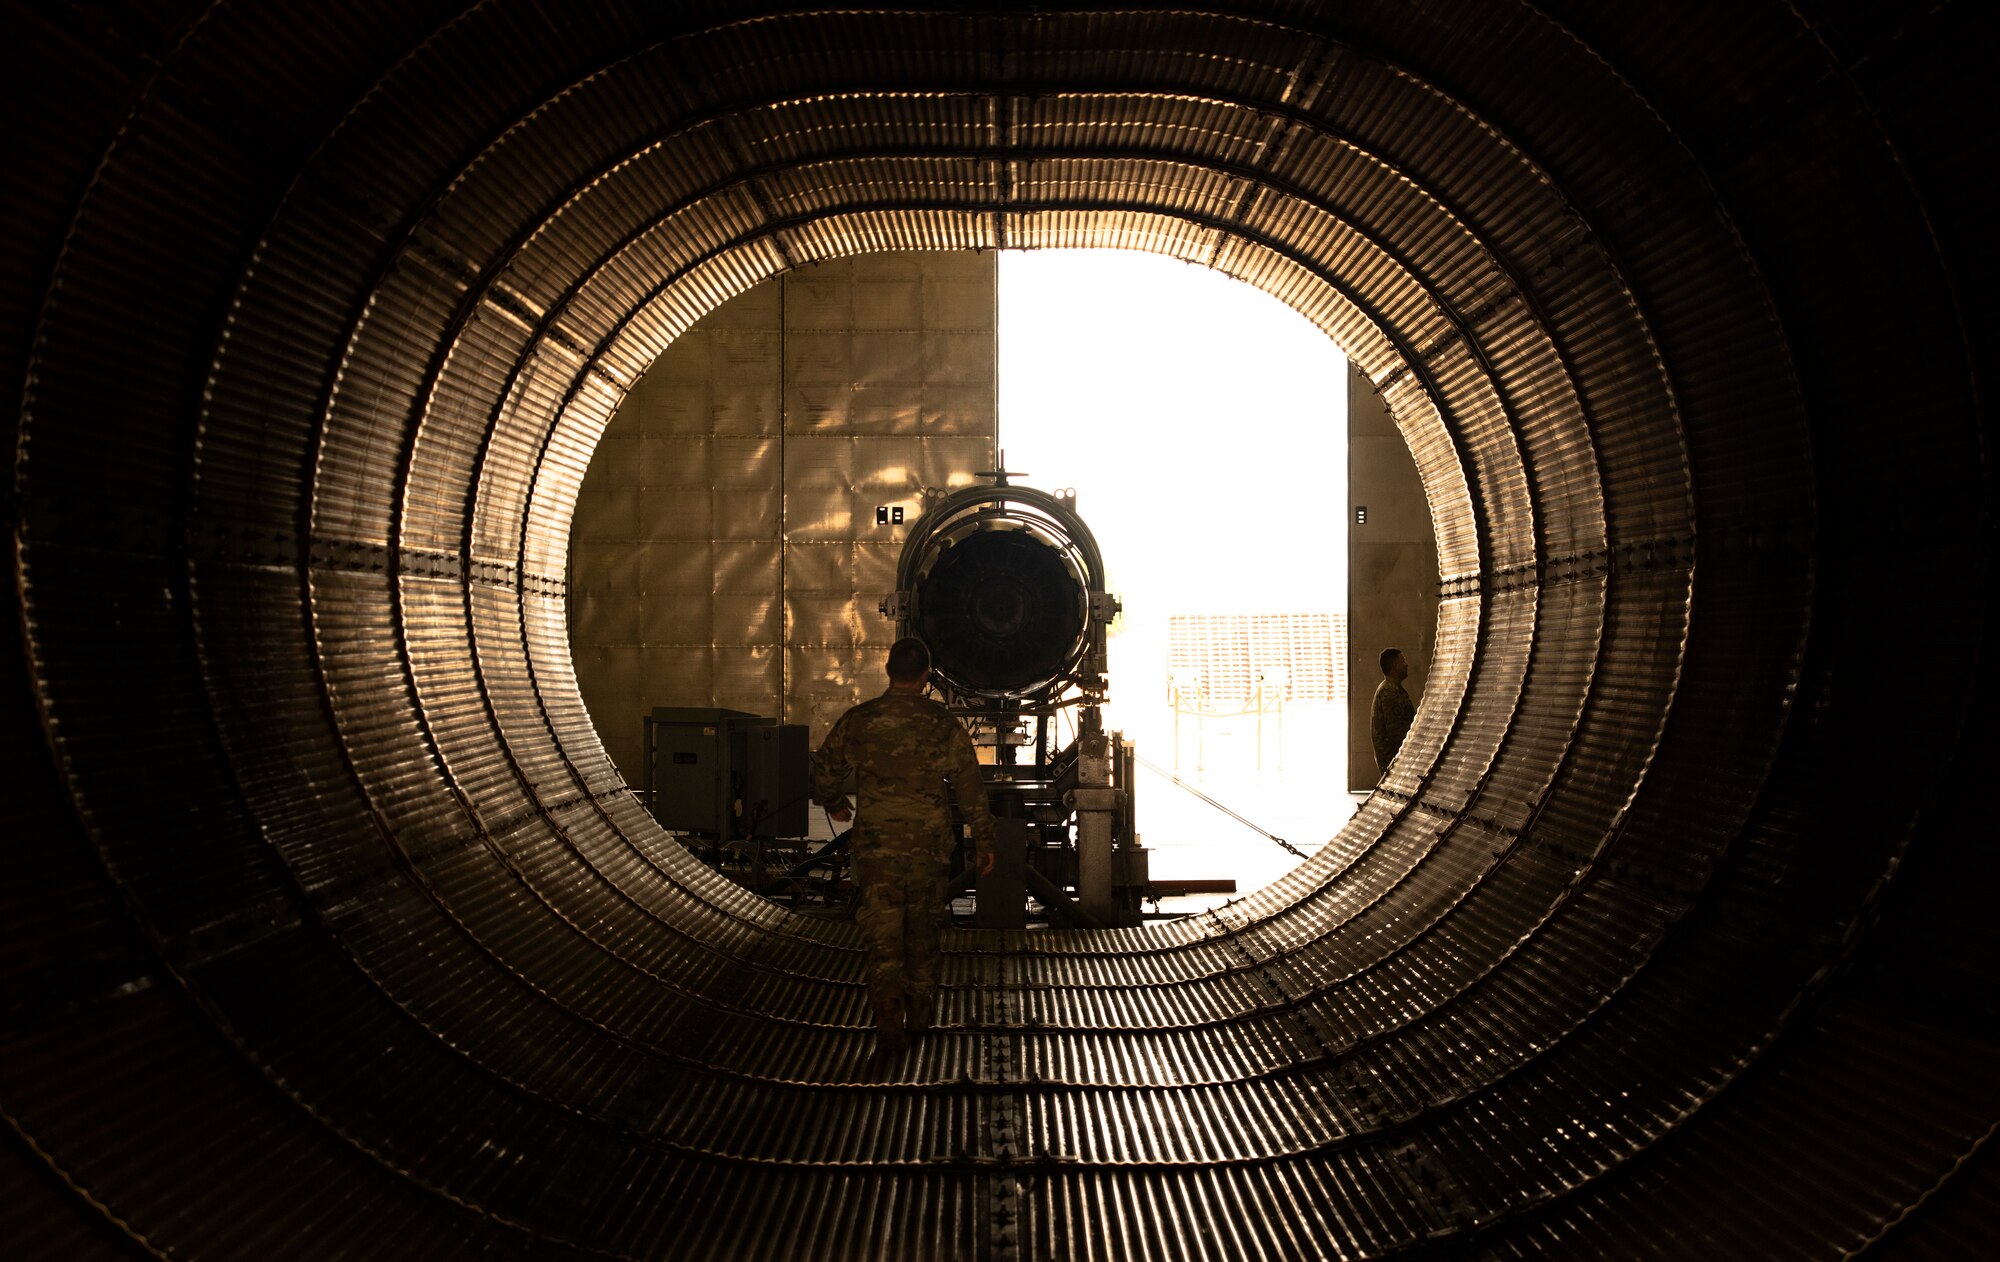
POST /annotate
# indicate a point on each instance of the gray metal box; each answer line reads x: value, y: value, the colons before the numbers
x: 775, y: 763
x: 1134, y: 866
x: 1003, y: 892
x: 689, y: 766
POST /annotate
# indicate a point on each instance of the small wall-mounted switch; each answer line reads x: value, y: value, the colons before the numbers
x: 1361, y: 514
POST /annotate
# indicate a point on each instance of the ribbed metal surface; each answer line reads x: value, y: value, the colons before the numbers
x: 330, y: 930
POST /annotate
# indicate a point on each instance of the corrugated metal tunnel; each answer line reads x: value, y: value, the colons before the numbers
x: 331, y: 932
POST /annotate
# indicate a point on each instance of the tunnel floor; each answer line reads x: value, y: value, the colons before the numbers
x: 331, y: 931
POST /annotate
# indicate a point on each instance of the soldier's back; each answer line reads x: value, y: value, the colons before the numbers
x: 900, y: 745
x: 900, y: 739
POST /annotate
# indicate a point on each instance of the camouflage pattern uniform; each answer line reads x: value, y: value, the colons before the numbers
x: 1389, y: 722
x: 903, y: 748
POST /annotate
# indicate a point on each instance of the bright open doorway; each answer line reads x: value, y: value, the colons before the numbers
x: 1203, y: 425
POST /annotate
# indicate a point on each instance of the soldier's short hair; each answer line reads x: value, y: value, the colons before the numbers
x: 908, y: 660
x: 1389, y: 657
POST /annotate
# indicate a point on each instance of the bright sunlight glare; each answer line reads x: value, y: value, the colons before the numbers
x: 1203, y: 425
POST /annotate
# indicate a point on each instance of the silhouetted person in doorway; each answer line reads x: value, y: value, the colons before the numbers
x: 905, y: 751
x: 1389, y: 722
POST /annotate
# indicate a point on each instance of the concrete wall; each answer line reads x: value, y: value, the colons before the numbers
x: 725, y: 549
x: 1392, y: 575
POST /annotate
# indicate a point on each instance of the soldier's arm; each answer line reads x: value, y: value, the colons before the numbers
x: 830, y: 769
x: 969, y: 789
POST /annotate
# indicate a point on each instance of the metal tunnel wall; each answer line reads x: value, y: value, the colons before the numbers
x: 329, y: 930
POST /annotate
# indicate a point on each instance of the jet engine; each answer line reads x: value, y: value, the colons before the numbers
x: 1006, y: 586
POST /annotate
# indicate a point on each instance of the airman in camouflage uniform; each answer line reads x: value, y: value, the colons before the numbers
x: 903, y: 750
x: 1389, y: 721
